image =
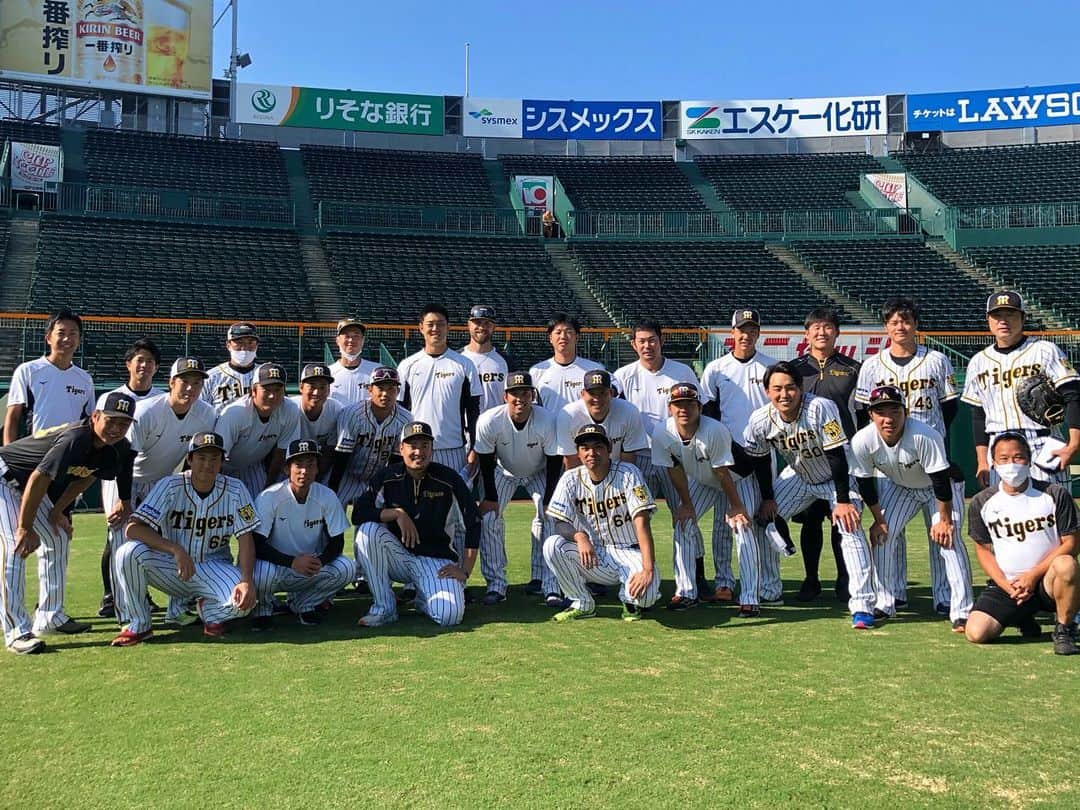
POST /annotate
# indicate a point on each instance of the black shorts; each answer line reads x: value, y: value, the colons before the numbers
x: 995, y: 602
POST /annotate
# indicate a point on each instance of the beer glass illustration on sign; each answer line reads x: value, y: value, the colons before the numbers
x: 169, y: 33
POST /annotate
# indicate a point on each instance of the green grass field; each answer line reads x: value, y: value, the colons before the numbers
x: 510, y: 709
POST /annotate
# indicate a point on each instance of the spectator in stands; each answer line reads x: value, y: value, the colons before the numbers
x: 352, y: 374
x: 550, y: 224
x: 231, y: 380
x: 830, y: 374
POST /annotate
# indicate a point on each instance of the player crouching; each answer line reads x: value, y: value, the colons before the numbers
x: 602, y: 534
x: 299, y: 544
x: 178, y: 541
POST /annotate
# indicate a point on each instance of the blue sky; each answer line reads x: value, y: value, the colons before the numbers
x: 650, y: 50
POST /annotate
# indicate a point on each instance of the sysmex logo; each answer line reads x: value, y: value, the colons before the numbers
x: 263, y: 100
x: 486, y: 116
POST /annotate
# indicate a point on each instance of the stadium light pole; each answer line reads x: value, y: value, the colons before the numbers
x: 233, y: 57
x: 466, y: 70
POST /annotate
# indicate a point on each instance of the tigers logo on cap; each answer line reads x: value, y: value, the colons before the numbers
x: 302, y: 447
x: 597, y: 379
x: 519, y: 379
x: 207, y: 439
x: 591, y: 432
x: 416, y: 430
x: 316, y: 371
x: 683, y: 391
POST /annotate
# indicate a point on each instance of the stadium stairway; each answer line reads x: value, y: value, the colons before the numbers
x: 500, y: 187
x: 19, y: 263
x: 324, y: 292
x: 828, y: 290
x: 960, y: 261
x: 300, y: 191
x: 560, y: 257
x: 702, y: 186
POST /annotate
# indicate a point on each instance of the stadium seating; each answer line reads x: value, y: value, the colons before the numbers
x: 391, y: 177
x: 613, y: 183
x: 999, y: 175
x: 777, y: 182
x: 872, y: 270
x: 692, y: 284
x: 12, y: 130
x: 1048, y: 272
x: 248, y: 168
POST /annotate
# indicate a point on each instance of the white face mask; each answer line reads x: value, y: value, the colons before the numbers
x: 1012, y: 474
x: 242, y: 357
x: 349, y: 357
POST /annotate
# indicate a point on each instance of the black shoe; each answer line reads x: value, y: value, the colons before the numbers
x: 942, y: 608
x: 261, y: 623
x: 310, y: 618
x: 493, y: 598
x: 1029, y: 628
x: 360, y: 586
x: 534, y: 588
x: 880, y: 615
x: 107, y: 609
x: 809, y: 590
x: 597, y: 590
x: 1064, y: 637
x: 408, y: 593
x: 280, y: 608
x: 901, y: 604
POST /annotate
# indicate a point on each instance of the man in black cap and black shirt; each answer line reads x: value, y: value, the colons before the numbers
x: 42, y: 475
x: 406, y: 522
x: 830, y: 374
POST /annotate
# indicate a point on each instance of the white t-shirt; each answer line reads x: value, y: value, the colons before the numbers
x: 370, y: 441
x: 248, y: 439
x: 434, y: 389
x: 51, y: 395
x: 927, y: 380
x: 559, y: 385
x: 324, y: 429
x: 350, y: 385
x: 520, y: 452
x: 709, y: 449
x: 919, y: 452
x: 300, y: 528
x: 605, y: 510
x: 623, y: 425
x: 159, y: 438
x: 492, y: 369
x: 225, y: 384
x: 802, y: 442
x: 648, y: 390
x: 738, y: 388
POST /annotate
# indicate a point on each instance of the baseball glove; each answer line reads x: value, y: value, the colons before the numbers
x: 1039, y: 400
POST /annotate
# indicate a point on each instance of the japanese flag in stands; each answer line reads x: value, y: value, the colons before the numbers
x: 536, y: 192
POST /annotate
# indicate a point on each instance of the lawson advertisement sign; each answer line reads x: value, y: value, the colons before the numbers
x: 1012, y: 108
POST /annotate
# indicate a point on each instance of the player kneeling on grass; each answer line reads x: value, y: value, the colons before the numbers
x: 1026, y: 533
x: 178, y: 541
x: 601, y: 511
x: 407, y: 521
x: 911, y: 455
x: 300, y: 539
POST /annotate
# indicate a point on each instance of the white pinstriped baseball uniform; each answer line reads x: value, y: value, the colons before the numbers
x: 350, y: 385
x: 521, y: 461
x: 905, y: 491
x: 605, y: 511
x: 249, y: 440
x: 807, y: 478
x: 370, y: 442
x: 492, y: 369
x: 225, y: 384
x: 202, y: 526
x: 623, y: 425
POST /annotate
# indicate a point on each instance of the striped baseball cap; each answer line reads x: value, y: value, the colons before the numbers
x: 316, y: 371
x: 206, y: 439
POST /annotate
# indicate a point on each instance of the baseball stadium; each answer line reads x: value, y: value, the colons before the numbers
x: 238, y: 235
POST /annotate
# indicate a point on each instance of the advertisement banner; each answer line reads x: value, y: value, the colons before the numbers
x: 593, y: 120
x: 359, y: 110
x: 34, y: 165
x: 892, y: 185
x: 491, y: 117
x: 789, y: 342
x: 161, y: 47
x: 536, y: 193
x: 994, y: 109
x: 783, y: 118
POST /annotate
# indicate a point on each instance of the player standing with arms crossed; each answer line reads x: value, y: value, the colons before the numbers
x: 178, y: 541
x: 601, y: 510
x: 351, y: 372
x: 911, y: 455
x: 558, y: 380
x: 231, y: 380
x: 517, y: 447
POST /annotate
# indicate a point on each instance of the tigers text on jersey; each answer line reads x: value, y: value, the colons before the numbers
x: 201, y: 525
x: 605, y: 510
x: 803, y: 442
x: 225, y: 384
x: 51, y: 396
x: 1022, y: 528
x: 737, y: 386
x: 248, y: 439
x: 648, y: 390
x: 559, y: 385
x: 623, y: 425
x: 709, y: 448
x: 350, y: 385
x: 520, y: 452
x: 435, y: 388
x: 919, y: 452
x: 324, y: 429
x: 927, y: 380
x: 296, y: 528
x: 160, y: 438
x: 491, y: 367
x: 371, y: 442
x: 992, y: 378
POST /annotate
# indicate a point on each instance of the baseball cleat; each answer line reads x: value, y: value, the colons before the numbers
x: 534, y: 588
x: 493, y: 598
x: 631, y: 613
x: 596, y: 589
x: 107, y: 610
x: 682, y: 603
x: 360, y: 586
x: 573, y: 614
x: 408, y: 594
x: 27, y: 644
x: 213, y: 629
x: 880, y: 615
x: 261, y: 623
x: 959, y: 626
x: 68, y: 628
x: 901, y: 604
x: 1029, y: 628
x: 723, y: 595
x: 748, y: 611
x: 309, y: 618
x: 942, y: 608
x: 862, y: 621
x: 809, y: 590
x: 129, y: 638
x: 555, y: 600
x: 777, y: 602
x: 375, y: 619
x: 1064, y: 637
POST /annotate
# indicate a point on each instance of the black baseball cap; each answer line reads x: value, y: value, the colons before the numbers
x: 116, y: 403
x: 345, y: 323
x: 206, y: 439
x: 316, y: 371
x: 597, y: 379
x: 301, y: 447
x: 187, y: 365
x: 591, y: 432
x: 269, y: 374
x: 886, y: 395
x: 741, y: 317
x: 681, y: 392
x: 1006, y: 299
x: 383, y: 375
x: 518, y: 379
x: 417, y: 430
x: 241, y: 330
x: 482, y: 312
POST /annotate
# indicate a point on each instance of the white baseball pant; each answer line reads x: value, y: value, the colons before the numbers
x: 306, y: 593
x: 493, y: 533
x: 614, y: 566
